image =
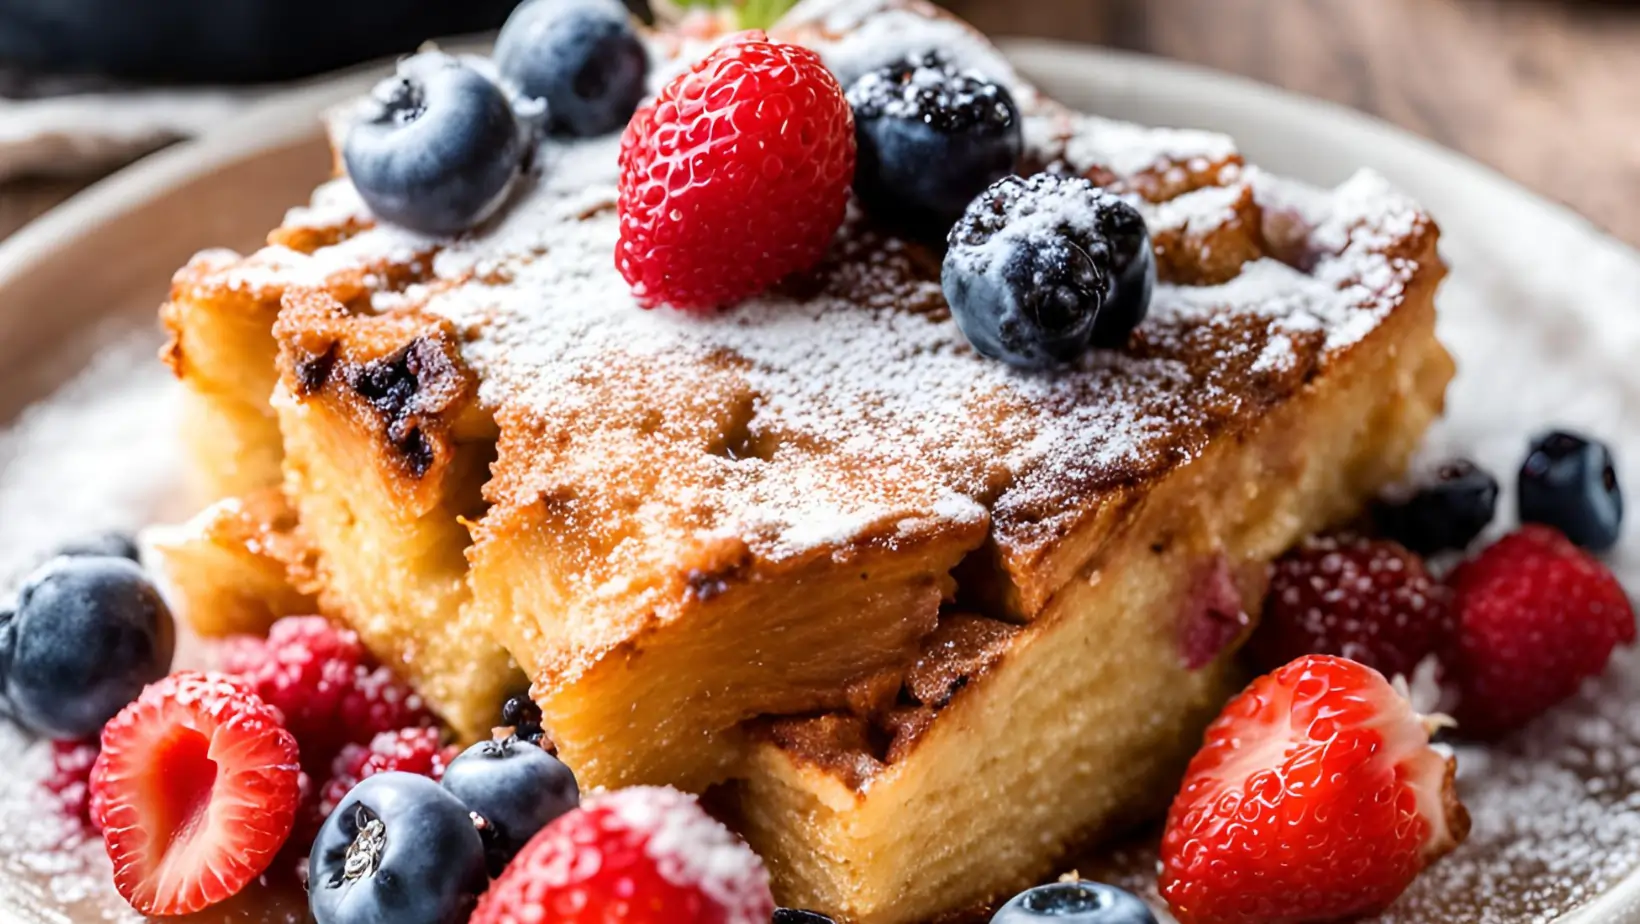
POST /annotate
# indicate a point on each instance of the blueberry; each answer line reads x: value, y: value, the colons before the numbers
x: 87, y: 635
x: 1074, y: 903
x: 1133, y: 263
x: 112, y: 545
x: 398, y: 848
x: 1448, y: 512
x: 794, y: 916
x: 1035, y: 265
x: 517, y: 789
x: 581, y: 56
x: 523, y: 716
x: 931, y: 138
x: 1569, y: 482
x: 439, y: 146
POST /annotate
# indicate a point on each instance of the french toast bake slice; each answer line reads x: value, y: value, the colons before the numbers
x: 238, y: 565
x: 1006, y: 748
x: 721, y: 547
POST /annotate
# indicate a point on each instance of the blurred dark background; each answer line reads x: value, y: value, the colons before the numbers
x: 1548, y: 91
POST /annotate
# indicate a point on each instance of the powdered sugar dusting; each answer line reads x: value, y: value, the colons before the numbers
x: 859, y: 36
x: 692, y: 850
x: 542, y: 310
x: 1089, y: 141
x: 102, y: 454
x: 1202, y: 209
x: 1031, y: 220
x: 822, y: 365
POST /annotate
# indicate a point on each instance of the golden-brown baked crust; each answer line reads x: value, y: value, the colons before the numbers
x: 238, y: 565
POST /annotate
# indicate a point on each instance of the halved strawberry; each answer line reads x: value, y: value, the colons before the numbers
x: 1316, y: 797
x: 196, y: 787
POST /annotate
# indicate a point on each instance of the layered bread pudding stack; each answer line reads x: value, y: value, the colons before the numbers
x: 920, y: 623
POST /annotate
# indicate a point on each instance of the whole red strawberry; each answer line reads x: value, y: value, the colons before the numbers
x: 409, y: 750
x: 1315, y: 797
x: 196, y: 788
x: 736, y: 176
x: 1536, y: 617
x: 640, y: 856
x: 320, y: 676
x: 1369, y: 600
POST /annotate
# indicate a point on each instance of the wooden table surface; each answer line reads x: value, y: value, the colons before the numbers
x: 1547, y: 91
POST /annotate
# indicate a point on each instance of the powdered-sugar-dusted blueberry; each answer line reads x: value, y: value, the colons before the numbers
x: 931, y: 138
x: 1074, y: 902
x: 87, y: 634
x: 1035, y: 263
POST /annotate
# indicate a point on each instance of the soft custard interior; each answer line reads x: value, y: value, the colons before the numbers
x: 385, y: 460
x: 664, y: 706
x: 396, y: 573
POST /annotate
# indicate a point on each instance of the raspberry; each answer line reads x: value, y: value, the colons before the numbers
x: 410, y: 750
x: 1536, y: 616
x: 321, y: 677
x: 641, y: 856
x: 1315, y: 797
x: 70, y: 778
x: 735, y: 177
x: 1368, y: 600
x: 376, y: 701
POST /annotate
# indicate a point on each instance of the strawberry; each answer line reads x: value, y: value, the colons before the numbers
x: 644, y: 855
x: 735, y: 177
x: 1536, y: 616
x: 197, y: 783
x: 97, y: 800
x: 409, y: 750
x: 1316, y: 796
x: 330, y: 690
x: 1369, y: 600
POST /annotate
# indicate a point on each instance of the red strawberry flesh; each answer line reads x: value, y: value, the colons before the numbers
x: 198, y: 789
x: 1315, y: 797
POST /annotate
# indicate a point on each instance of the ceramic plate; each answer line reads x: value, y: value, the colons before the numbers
x: 1542, y: 311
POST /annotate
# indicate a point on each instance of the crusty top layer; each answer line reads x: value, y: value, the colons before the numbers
x: 847, y: 408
